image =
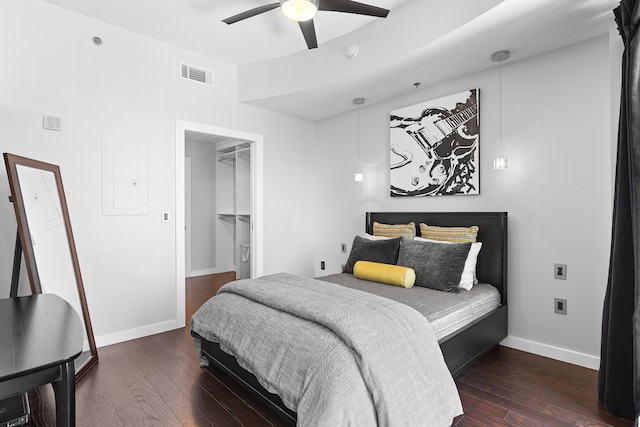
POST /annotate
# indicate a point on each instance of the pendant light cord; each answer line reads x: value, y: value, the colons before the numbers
x: 358, y: 153
x: 500, y: 162
x: 500, y: 65
x: 358, y: 102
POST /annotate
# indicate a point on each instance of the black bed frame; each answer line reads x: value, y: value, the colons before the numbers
x: 463, y: 346
x: 460, y: 348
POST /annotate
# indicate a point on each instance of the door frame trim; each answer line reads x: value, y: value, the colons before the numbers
x: 257, y: 252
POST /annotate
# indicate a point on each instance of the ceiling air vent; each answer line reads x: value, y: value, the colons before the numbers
x: 195, y: 74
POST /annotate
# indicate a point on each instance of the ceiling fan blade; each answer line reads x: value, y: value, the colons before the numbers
x: 348, y: 6
x: 309, y: 33
x: 250, y: 13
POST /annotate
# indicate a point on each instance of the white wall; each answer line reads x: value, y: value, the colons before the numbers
x: 129, y: 87
x: 557, y: 190
x: 203, y: 208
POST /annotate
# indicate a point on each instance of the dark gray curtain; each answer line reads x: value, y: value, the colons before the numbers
x: 619, y: 375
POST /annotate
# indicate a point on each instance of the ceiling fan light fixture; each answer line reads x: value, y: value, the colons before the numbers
x: 299, y: 10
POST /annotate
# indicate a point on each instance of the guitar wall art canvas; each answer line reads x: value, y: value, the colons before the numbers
x: 434, y: 147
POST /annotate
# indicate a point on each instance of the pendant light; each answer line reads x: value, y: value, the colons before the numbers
x: 500, y: 162
x: 359, y: 176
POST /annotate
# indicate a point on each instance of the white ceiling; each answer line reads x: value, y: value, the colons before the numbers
x: 427, y: 41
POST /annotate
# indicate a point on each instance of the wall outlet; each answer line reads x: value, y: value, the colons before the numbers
x: 343, y: 248
x: 560, y: 271
x: 560, y: 305
x: 321, y: 265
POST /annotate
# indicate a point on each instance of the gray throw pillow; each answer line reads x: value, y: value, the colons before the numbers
x: 437, y: 266
x: 384, y: 251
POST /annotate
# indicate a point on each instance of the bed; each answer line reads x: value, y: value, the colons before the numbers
x: 460, y: 347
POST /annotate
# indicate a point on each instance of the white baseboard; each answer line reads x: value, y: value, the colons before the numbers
x: 196, y: 273
x: 557, y: 353
x: 132, y: 334
x: 545, y: 350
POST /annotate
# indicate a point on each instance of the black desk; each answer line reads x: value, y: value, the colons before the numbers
x: 40, y: 336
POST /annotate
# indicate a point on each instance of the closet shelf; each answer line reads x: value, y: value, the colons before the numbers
x: 227, y: 216
x: 245, y: 153
x: 234, y: 216
x: 233, y: 201
x: 230, y: 156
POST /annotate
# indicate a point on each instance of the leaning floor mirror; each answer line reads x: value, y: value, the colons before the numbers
x: 45, y: 238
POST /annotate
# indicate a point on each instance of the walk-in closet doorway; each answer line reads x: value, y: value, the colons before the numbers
x: 218, y: 203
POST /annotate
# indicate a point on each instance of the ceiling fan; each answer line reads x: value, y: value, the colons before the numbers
x: 303, y: 12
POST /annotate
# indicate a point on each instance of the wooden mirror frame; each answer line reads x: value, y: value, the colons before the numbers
x: 88, y: 358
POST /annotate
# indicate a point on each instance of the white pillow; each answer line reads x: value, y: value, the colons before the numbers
x: 372, y: 237
x: 468, y: 278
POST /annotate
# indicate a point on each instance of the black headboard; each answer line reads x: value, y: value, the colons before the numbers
x: 492, y: 260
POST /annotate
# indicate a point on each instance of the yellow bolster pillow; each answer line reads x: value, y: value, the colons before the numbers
x: 389, y: 274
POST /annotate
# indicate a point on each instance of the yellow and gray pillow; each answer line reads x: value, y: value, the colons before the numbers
x: 448, y: 267
x: 449, y: 234
x: 394, y: 230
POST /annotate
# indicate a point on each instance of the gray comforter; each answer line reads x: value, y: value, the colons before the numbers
x: 336, y: 356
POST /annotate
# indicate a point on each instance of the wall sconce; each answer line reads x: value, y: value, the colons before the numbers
x: 500, y: 162
x: 359, y: 176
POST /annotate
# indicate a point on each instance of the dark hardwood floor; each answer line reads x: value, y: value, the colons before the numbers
x: 157, y: 381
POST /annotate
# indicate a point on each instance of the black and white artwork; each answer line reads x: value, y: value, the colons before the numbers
x: 434, y: 147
